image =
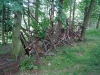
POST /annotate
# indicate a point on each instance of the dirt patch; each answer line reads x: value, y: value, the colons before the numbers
x: 80, y: 54
x: 7, y: 66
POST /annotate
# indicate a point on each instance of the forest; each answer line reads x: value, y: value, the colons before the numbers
x: 49, y: 37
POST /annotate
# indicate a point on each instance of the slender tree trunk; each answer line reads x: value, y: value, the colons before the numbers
x: 85, y: 10
x: 73, y: 12
x: 36, y: 10
x: 70, y: 12
x: 3, y: 15
x: 59, y: 26
x: 16, y: 34
x: 28, y: 17
x: 98, y: 22
x: 51, y: 14
x: 86, y: 20
x: 7, y: 26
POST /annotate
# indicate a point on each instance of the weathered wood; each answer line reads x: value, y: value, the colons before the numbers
x: 67, y: 35
x: 31, y: 47
x: 24, y: 43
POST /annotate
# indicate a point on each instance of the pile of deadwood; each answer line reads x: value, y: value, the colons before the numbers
x: 40, y: 47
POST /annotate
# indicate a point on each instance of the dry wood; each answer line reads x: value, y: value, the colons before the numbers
x: 31, y: 47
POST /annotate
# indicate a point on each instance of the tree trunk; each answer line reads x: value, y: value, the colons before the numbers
x: 51, y: 12
x: 98, y: 22
x: 73, y: 12
x: 36, y: 10
x: 16, y: 34
x: 28, y: 26
x: 59, y: 26
x: 3, y: 15
x: 70, y: 12
x: 86, y: 20
x: 7, y: 25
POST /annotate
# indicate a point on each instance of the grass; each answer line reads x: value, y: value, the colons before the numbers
x: 82, y: 59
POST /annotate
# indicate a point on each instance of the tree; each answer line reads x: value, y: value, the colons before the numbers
x: 16, y: 27
x: 73, y: 12
x: 3, y: 17
x: 98, y: 22
x: 86, y: 20
x: 16, y: 33
x: 37, y: 9
x: 60, y: 7
x: 70, y: 10
x: 51, y: 13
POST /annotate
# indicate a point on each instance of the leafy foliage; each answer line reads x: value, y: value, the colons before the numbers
x: 40, y: 28
x: 27, y: 63
x: 44, y: 25
x: 85, y: 3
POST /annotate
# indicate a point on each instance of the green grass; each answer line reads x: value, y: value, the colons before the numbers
x: 82, y: 59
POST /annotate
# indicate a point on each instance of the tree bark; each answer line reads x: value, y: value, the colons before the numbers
x: 3, y: 15
x: 86, y: 20
x: 16, y: 34
x: 98, y: 22
x: 59, y: 26
x: 73, y: 12
x: 51, y: 12
x: 70, y: 17
x: 36, y: 9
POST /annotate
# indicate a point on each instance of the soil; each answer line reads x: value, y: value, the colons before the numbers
x: 8, y: 66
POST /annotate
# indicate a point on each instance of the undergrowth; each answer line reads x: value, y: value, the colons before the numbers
x: 27, y: 63
x: 82, y: 59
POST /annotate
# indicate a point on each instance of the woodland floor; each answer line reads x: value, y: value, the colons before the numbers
x: 82, y: 59
x: 7, y: 65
